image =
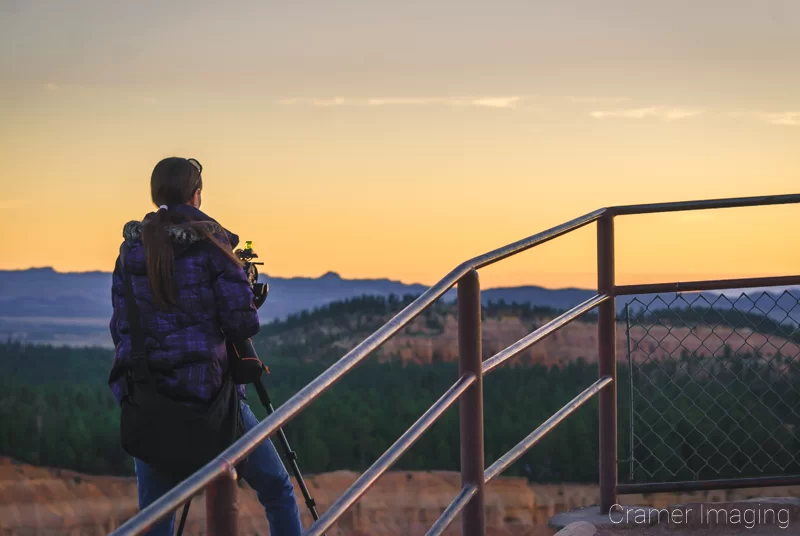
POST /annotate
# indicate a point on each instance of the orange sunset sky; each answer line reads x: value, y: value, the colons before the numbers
x: 397, y: 139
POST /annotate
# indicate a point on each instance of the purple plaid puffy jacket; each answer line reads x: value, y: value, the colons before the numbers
x: 186, y: 348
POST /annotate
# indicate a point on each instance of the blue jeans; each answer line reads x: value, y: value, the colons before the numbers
x: 264, y: 472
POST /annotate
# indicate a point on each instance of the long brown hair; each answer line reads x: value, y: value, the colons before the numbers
x: 174, y: 182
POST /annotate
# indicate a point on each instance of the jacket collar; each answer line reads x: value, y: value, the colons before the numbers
x: 182, y: 235
x: 198, y: 215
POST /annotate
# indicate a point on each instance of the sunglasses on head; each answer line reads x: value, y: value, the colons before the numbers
x: 196, y: 164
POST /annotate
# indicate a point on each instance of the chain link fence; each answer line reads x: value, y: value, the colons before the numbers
x: 714, y: 386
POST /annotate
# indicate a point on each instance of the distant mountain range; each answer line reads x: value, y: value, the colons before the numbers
x: 43, y: 305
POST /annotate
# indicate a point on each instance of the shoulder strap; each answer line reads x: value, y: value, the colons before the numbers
x: 139, y: 367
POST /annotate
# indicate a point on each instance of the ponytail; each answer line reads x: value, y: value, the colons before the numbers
x: 160, y: 259
x: 174, y: 181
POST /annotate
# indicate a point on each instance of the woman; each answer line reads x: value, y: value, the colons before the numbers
x: 193, y: 295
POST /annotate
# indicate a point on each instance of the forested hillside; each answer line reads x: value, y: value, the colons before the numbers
x: 56, y: 408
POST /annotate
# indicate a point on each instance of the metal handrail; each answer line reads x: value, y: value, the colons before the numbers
x: 700, y: 286
x: 522, y: 447
x: 453, y: 509
x: 549, y: 328
x: 391, y: 455
x: 466, y: 493
x: 706, y: 204
x: 224, y: 464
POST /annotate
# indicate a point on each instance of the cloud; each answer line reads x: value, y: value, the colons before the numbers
x: 594, y: 100
x: 51, y: 86
x: 778, y: 118
x: 400, y: 101
x: 659, y: 112
x: 791, y: 119
x: 337, y: 101
x: 502, y: 102
x: 486, y: 102
x: 517, y: 102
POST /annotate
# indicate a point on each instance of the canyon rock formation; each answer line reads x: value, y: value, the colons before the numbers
x: 37, y: 501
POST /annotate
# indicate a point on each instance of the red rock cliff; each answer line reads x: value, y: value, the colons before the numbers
x: 41, y: 501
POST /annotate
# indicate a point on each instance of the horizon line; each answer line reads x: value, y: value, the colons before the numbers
x: 667, y: 278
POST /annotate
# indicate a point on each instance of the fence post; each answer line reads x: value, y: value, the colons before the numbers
x: 222, y: 506
x: 470, y: 360
x: 607, y: 363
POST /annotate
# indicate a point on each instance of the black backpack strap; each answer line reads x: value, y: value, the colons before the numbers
x: 139, y: 368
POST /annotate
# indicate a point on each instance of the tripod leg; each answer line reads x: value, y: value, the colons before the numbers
x: 183, y: 517
x: 290, y: 454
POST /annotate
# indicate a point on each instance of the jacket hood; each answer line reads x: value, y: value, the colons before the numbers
x: 182, y: 234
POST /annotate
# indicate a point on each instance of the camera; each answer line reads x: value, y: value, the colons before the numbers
x: 246, y: 255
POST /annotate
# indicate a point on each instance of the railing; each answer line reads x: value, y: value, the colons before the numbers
x: 220, y: 477
x: 713, y: 390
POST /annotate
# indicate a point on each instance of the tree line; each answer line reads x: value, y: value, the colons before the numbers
x: 67, y: 417
x: 731, y: 416
x: 739, y: 420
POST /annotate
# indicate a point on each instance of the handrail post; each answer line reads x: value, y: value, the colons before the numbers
x: 607, y: 362
x: 222, y: 506
x: 471, y: 403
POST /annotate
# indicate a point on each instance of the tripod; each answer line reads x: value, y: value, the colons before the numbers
x: 291, y: 455
x: 244, y: 349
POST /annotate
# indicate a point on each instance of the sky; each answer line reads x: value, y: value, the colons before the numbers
x: 398, y: 139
